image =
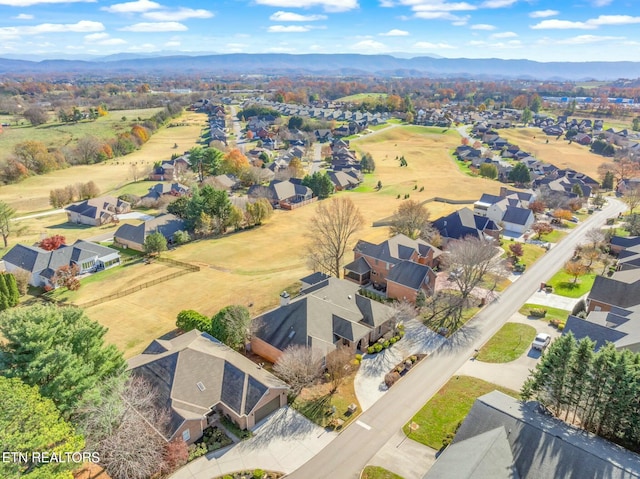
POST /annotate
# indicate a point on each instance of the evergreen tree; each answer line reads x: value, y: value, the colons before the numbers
x: 60, y: 350
x: 31, y: 423
x: 520, y: 174
x: 320, y: 184
x: 4, y: 294
x: 14, y: 291
x: 231, y: 325
x: 607, y: 182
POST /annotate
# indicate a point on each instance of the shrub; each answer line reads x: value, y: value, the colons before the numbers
x: 377, y: 347
x: 359, y: 357
x: 391, y: 378
x: 560, y: 326
x: 393, y: 340
x: 386, y: 344
x: 371, y: 349
x: 554, y: 322
x: 258, y: 474
x: 197, y: 450
x: 413, y: 359
x: 537, y: 312
x: 401, y: 334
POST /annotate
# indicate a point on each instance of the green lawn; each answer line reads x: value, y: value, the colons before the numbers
x: 508, y: 344
x: 552, y: 313
x: 564, y: 286
x: 555, y: 236
x: 376, y: 472
x: 444, y: 411
x: 463, y: 166
x: 531, y: 252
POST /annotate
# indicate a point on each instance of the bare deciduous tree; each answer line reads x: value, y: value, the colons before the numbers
x: 335, y: 223
x: 339, y: 365
x: 299, y: 367
x: 595, y: 236
x: 632, y: 198
x: 412, y: 220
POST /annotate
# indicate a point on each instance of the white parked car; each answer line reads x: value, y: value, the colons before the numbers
x: 541, y: 342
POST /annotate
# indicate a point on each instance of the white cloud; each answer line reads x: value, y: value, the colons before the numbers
x: 504, y: 35
x: 395, y: 33
x: 482, y: 26
x: 83, y: 26
x: 369, y: 45
x: 477, y: 43
x: 295, y: 17
x: 432, y: 46
x: 507, y: 45
x: 438, y: 6
x: 155, y: 27
x: 498, y: 3
x: 177, y: 15
x: 94, y: 37
x: 441, y: 16
x: 387, y: 4
x: 613, y: 20
x: 544, y: 13
x: 28, y: 3
x: 601, y: 3
x: 590, y: 24
x: 172, y: 44
x: 113, y: 41
x: 23, y: 16
x: 235, y: 47
x: 288, y: 29
x: 586, y: 39
x: 139, y: 6
x: 328, y: 5
x: 561, y: 25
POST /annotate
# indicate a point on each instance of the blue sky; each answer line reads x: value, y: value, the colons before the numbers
x: 543, y: 30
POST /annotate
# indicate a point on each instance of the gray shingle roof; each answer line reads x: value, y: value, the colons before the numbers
x: 622, y: 289
x: 309, y: 318
x: 29, y: 258
x: 166, y: 224
x: 396, y: 249
x: 359, y: 266
x: 410, y: 274
x: 175, y: 367
x: 462, y: 223
x: 541, y: 446
x: 516, y: 215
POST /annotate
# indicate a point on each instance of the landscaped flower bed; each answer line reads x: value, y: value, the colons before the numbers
x: 213, y: 438
x: 384, y: 343
x: 255, y: 474
x: 402, y: 368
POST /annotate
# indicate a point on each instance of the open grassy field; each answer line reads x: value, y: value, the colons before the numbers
x: 32, y: 194
x: 557, y: 152
x: 56, y: 135
x: 360, y: 97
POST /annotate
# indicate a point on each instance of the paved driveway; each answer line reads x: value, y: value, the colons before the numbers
x: 369, y: 381
x: 284, y: 442
x: 510, y: 375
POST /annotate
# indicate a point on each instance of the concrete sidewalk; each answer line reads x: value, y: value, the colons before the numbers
x: 369, y: 381
x: 553, y: 300
x: 283, y: 443
x: 405, y: 457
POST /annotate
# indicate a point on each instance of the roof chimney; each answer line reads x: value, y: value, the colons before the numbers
x: 284, y: 298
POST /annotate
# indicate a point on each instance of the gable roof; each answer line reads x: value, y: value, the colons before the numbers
x: 621, y: 289
x: 516, y: 215
x: 462, y: 223
x: 620, y: 327
x: 410, y: 274
x: 540, y: 446
x: 324, y: 311
x: 166, y: 224
x: 176, y: 367
x: 396, y: 249
x: 29, y: 258
x: 96, y: 207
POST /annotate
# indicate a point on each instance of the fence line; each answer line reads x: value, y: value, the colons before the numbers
x: 185, y: 268
x: 389, y: 219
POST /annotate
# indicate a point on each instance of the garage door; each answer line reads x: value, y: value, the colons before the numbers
x: 267, y: 409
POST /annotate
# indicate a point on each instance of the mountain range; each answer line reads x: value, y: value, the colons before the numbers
x: 322, y: 65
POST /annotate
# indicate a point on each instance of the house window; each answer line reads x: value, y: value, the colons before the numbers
x: 387, y: 266
x: 186, y: 435
x: 597, y: 308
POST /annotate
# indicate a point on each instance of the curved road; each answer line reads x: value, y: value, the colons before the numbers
x: 347, y: 455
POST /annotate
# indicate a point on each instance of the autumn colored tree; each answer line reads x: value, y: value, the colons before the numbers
x: 235, y: 162
x: 517, y: 250
x: 537, y: 206
x: 52, y: 242
x: 67, y: 276
x: 622, y: 169
x: 562, y: 214
x: 295, y: 168
x: 249, y: 135
x: 575, y: 269
x: 541, y: 228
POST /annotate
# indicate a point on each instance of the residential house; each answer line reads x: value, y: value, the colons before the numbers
x: 284, y: 194
x: 226, y: 182
x: 620, y: 326
x: 97, y: 211
x: 621, y: 290
x: 169, y: 170
x: 134, y: 236
x: 344, y: 181
x: 463, y: 223
x: 400, y: 265
x: 42, y: 265
x: 619, y: 243
x: 329, y: 314
x: 196, y: 379
x: 509, y: 209
x: 629, y: 258
x: 503, y: 438
x: 517, y: 220
x: 167, y: 189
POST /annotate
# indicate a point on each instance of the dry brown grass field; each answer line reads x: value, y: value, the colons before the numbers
x: 32, y: 194
x: 557, y: 152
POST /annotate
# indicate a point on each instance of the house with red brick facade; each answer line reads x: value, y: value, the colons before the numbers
x: 400, y: 265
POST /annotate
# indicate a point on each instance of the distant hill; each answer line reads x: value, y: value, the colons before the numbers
x: 326, y: 64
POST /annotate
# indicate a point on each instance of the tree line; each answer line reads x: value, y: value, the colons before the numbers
x: 596, y: 390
